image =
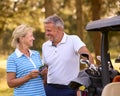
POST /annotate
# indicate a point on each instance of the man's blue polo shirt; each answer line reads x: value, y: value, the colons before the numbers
x: 22, y: 65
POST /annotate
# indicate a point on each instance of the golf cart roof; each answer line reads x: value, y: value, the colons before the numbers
x: 110, y: 24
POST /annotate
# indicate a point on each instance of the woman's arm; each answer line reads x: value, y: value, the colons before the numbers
x: 12, y: 81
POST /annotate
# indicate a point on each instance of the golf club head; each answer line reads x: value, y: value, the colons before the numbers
x: 86, y: 62
x: 99, y: 58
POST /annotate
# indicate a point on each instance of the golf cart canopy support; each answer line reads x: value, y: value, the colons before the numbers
x: 104, y: 26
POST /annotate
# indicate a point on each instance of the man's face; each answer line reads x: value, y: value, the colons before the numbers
x: 51, y: 32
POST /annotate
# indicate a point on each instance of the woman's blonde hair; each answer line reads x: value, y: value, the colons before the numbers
x: 19, y: 31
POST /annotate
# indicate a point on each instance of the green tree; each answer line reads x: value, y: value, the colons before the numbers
x: 75, y: 13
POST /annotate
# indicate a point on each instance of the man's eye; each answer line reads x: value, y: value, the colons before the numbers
x: 48, y: 30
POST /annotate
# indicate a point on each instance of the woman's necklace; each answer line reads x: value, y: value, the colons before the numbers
x: 27, y: 53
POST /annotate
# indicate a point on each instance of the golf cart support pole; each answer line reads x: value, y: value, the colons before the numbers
x: 104, y: 26
x: 104, y: 60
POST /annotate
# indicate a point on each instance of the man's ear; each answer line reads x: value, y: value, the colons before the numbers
x: 60, y: 28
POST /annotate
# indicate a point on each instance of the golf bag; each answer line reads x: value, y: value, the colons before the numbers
x: 89, y: 80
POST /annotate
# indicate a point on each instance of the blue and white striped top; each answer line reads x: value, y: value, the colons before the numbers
x: 22, y: 65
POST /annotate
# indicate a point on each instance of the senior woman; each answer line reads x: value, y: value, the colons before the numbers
x: 23, y: 64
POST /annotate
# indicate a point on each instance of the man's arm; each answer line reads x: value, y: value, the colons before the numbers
x: 86, y: 51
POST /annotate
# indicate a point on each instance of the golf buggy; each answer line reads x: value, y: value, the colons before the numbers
x: 94, y: 79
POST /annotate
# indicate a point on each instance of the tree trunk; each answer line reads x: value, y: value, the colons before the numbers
x: 79, y: 23
x: 96, y: 10
x: 48, y: 8
x: 79, y: 19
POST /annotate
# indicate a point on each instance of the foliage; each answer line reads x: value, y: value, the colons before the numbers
x: 32, y: 12
x: 14, y: 13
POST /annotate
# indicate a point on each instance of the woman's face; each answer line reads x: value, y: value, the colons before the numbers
x: 28, y: 39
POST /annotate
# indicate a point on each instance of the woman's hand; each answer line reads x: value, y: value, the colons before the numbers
x: 33, y: 74
x: 44, y: 71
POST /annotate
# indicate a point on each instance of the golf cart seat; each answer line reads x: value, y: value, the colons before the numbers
x: 111, y: 89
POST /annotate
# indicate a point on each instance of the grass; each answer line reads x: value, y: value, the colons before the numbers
x: 3, y: 64
x: 4, y: 89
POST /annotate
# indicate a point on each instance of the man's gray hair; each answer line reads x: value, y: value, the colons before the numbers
x: 56, y: 20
